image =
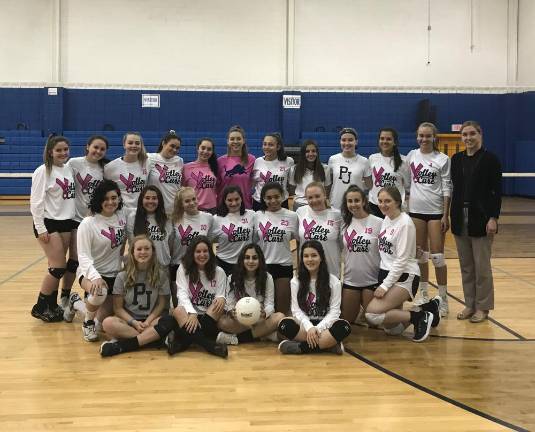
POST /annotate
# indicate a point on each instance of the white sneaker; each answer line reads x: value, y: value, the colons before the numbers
x: 444, y: 307
x: 227, y: 338
x: 64, y: 302
x: 68, y: 310
x: 89, y: 331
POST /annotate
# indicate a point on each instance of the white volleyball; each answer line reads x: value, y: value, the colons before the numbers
x: 248, y: 311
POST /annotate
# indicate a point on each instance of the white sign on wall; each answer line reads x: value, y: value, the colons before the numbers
x: 291, y: 101
x: 456, y: 127
x: 52, y: 91
x: 150, y: 101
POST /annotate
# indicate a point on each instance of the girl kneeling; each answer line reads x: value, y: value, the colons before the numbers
x: 139, y: 298
x: 249, y: 279
x: 316, y: 325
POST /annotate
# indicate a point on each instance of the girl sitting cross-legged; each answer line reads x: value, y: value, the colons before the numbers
x: 315, y: 325
x: 249, y: 279
x: 139, y: 298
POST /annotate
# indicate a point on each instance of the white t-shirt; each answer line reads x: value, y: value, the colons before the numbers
x: 131, y: 177
x: 308, y: 178
x: 166, y: 244
x: 274, y: 230
x: 166, y: 174
x: 197, y: 297
x: 397, y: 247
x: 383, y: 174
x: 99, y: 242
x: 270, y: 171
x: 326, y: 318
x: 87, y: 176
x: 267, y: 301
x: 52, y: 195
x: 189, y: 228
x: 323, y: 226
x: 232, y: 232
x: 430, y: 181
x: 345, y: 172
x: 361, y: 251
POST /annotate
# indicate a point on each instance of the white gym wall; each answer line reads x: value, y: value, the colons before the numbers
x: 268, y: 43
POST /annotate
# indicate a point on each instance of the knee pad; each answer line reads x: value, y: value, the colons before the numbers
x: 375, y: 319
x: 340, y: 330
x: 97, y: 300
x: 165, y: 325
x: 424, y: 257
x: 288, y: 328
x: 396, y: 330
x: 438, y: 260
x: 57, y: 272
x: 72, y: 265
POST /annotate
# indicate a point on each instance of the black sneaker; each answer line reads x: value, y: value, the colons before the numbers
x: 423, y: 327
x: 219, y: 350
x: 433, y: 306
x: 46, y: 315
x: 173, y: 345
x: 109, y: 348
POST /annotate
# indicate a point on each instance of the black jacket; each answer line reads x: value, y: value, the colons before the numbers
x: 485, y: 193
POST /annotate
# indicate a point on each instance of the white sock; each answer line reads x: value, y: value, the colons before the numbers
x: 422, y: 287
x: 89, y: 315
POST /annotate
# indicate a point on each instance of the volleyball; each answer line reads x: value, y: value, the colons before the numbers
x: 248, y: 311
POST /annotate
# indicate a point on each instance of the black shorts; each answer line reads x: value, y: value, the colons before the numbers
x: 226, y: 266
x: 412, y: 288
x: 426, y: 217
x: 60, y: 226
x: 208, y: 326
x: 109, y: 281
x: 374, y: 209
x: 278, y: 271
x: 354, y: 288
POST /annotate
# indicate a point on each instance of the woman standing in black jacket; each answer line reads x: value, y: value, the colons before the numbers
x: 476, y: 175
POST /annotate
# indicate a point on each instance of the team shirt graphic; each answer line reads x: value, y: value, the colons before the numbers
x: 232, y: 232
x: 265, y: 171
x: 200, y: 177
x: 274, y: 231
x: 196, y: 297
x: 383, y: 175
x: 87, y: 176
x: 131, y: 177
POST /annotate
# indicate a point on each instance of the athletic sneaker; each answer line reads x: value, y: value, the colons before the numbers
x: 218, y: 349
x: 290, y: 347
x: 227, y: 338
x: 89, y: 331
x: 423, y: 327
x: 47, y: 315
x: 173, y: 346
x: 68, y: 311
x: 434, y: 306
x: 64, y: 302
x: 109, y: 348
x: 337, y: 349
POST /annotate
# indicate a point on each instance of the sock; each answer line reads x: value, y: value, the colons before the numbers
x: 422, y: 287
x: 415, y: 316
x: 246, y: 336
x: 89, y: 316
x: 65, y: 292
x: 443, y: 290
x: 305, y: 349
x: 52, y: 300
x: 42, y: 301
x: 130, y: 344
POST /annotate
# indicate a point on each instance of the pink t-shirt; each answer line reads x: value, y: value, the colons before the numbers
x: 200, y: 177
x: 232, y: 172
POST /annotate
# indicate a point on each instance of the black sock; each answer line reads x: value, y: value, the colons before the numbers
x: 305, y: 349
x: 246, y: 336
x: 65, y: 293
x: 52, y: 300
x: 130, y: 344
x: 416, y: 316
x: 42, y: 301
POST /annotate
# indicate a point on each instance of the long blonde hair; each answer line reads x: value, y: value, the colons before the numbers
x: 142, y: 155
x: 131, y: 269
x: 178, y: 207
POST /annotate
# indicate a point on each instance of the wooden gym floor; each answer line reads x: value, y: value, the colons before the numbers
x: 477, y: 377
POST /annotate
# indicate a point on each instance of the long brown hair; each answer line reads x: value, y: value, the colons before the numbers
x: 323, y: 286
x: 51, y: 142
x: 244, y: 152
x: 190, y: 266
